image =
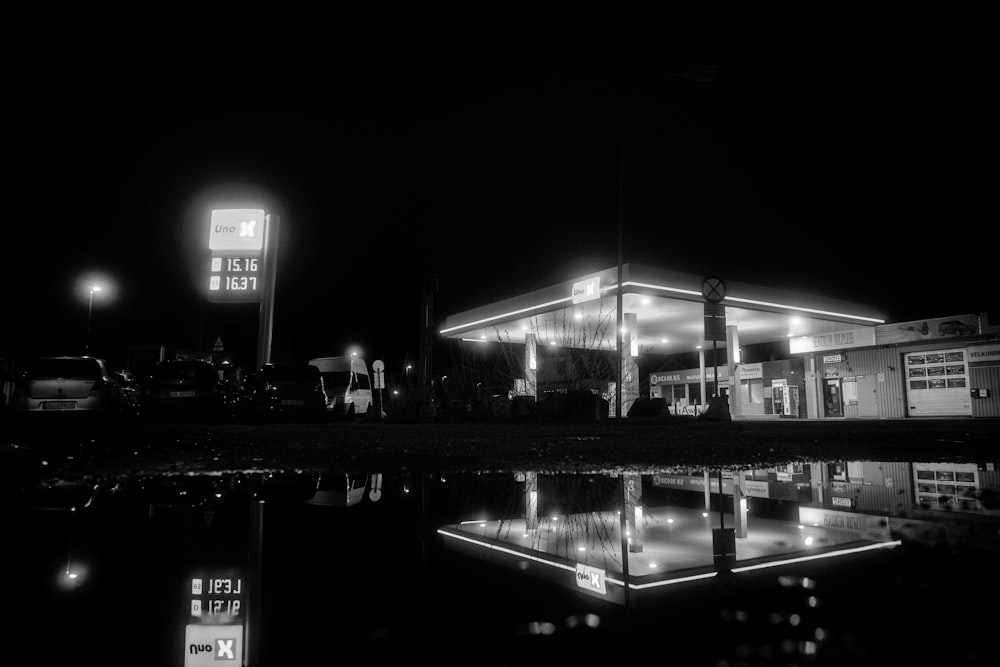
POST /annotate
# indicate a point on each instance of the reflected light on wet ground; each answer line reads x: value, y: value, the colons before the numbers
x: 489, y: 569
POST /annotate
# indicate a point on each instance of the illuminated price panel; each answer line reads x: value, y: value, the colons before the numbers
x: 217, y: 598
x: 235, y: 277
x: 215, y: 609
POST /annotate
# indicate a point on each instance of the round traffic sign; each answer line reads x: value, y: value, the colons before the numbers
x: 713, y: 289
x: 378, y: 366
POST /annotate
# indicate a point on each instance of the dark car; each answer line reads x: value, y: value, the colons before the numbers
x: 77, y: 385
x: 131, y: 391
x: 185, y: 389
x: 291, y: 390
x: 956, y: 328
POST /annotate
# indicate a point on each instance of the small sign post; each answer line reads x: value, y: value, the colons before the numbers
x: 379, y: 368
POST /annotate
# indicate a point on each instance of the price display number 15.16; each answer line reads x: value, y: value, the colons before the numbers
x: 240, y: 264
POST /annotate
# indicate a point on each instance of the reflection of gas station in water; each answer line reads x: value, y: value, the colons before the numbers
x: 683, y: 526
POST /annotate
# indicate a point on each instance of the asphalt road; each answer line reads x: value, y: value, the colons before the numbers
x: 121, y: 450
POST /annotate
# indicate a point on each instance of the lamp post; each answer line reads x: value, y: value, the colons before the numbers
x: 90, y: 312
x: 700, y: 74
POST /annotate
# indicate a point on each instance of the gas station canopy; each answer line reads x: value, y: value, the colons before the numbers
x: 669, y: 310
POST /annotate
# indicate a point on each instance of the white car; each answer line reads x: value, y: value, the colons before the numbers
x: 68, y: 385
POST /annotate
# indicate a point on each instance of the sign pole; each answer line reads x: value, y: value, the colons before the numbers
x: 714, y: 291
x: 267, y: 302
x: 715, y: 369
x: 378, y: 366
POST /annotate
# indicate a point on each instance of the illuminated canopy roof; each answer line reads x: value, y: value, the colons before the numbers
x: 669, y: 310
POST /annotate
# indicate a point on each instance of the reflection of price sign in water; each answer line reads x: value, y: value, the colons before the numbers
x: 217, y: 598
x: 591, y: 578
x: 213, y: 645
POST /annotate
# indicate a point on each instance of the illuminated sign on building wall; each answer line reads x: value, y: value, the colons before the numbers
x: 835, y: 340
x: 587, y: 290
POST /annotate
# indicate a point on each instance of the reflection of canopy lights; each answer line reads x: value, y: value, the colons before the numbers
x: 829, y: 554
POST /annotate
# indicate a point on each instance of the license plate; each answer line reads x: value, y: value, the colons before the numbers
x: 180, y: 394
x: 289, y: 401
x: 59, y: 405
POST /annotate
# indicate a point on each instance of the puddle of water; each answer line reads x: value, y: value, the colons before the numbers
x: 813, y: 563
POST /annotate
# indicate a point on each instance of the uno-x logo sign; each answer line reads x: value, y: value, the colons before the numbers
x: 236, y: 229
x: 223, y: 649
x: 585, y: 290
x: 211, y: 645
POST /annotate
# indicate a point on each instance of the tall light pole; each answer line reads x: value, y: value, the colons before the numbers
x: 700, y: 74
x: 90, y: 312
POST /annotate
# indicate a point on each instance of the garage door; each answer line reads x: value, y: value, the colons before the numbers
x: 937, y: 383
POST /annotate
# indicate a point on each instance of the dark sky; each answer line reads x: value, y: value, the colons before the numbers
x: 845, y: 155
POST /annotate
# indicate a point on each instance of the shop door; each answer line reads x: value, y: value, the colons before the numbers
x: 867, y: 399
x: 832, y: 398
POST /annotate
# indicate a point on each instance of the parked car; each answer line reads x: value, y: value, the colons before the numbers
x: 68, y: 385
x: 285, y: 391
x: 183, y: 388
x: 129, y: 383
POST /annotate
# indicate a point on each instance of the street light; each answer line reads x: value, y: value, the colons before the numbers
x: 90, y: 312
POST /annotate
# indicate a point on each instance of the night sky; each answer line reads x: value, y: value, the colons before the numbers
x: 844, y: 155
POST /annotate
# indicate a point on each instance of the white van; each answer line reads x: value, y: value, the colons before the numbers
x: 347, y: 385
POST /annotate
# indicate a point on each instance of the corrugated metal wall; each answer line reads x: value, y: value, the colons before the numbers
x: 887, y: 489
x: 889, y: 391
x: 986, y: 377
